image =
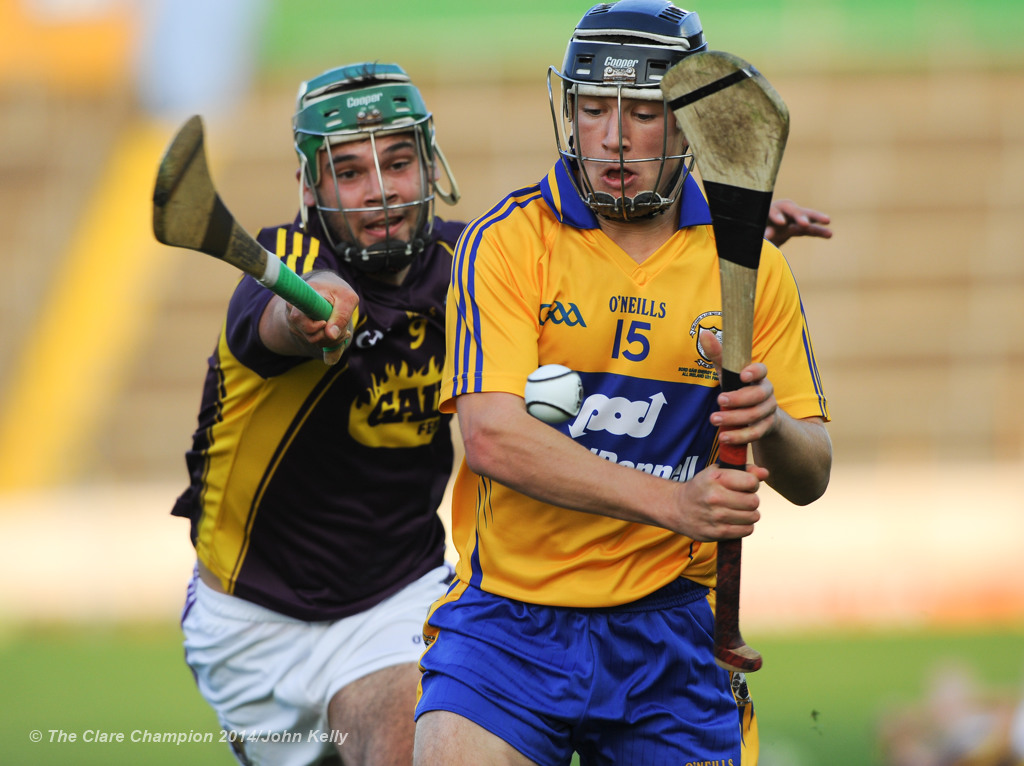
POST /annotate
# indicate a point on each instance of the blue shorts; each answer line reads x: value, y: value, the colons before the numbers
x: 630, y: 684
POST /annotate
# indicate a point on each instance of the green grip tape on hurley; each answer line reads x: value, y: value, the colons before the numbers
x: 294, y: 289
x: 297, y: 292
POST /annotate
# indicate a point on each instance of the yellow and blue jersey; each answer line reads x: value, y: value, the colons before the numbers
x: 536, y: 281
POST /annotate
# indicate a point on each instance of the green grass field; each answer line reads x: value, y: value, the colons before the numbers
x: 819, y: 697
x: 456, y: 40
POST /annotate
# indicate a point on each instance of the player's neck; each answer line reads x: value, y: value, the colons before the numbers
x: 390, y: 277
x: 640, y: 239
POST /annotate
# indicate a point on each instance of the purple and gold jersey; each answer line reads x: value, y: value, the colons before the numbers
x: 296, y: 467
x: 535, y: 281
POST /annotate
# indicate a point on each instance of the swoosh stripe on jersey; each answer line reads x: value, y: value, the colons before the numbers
x: 283, y: 446
x: 206, y: 442
x: 464, y: 330
x: 483, y: 503
x: 815, y: 374
x: 222, y: 538
x: 812, y: 362
x: 467, y: 345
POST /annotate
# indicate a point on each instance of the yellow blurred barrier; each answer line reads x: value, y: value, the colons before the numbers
x: 90, y: 324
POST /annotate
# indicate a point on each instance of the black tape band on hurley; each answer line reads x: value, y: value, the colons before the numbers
x: 711, y: 88
x: 218, y: 230
x: 738, y: 216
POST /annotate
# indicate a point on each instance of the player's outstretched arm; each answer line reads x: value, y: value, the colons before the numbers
x: 788, y: 219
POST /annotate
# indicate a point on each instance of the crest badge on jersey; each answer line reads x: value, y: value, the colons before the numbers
x: 711, y: 321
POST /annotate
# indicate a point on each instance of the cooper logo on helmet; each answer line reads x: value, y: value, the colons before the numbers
x: 370, y: 98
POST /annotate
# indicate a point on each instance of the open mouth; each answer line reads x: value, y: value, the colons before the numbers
x: 616, y: 178
x: 385, y: 228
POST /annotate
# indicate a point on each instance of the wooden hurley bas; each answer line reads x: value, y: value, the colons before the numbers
x: 188, y: 212
x: 737, y: 127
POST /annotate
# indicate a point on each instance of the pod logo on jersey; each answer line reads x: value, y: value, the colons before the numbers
x: 618, y: 415
x: 400, y: 410
x: 557, y: 313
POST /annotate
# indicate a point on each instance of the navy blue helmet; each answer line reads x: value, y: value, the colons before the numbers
x: 622, y: 50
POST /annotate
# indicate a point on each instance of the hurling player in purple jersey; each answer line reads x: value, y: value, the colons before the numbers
x: 315, y: 487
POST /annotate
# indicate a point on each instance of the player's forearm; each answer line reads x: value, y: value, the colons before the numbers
x: 504, y: 443
x: 798, y: 455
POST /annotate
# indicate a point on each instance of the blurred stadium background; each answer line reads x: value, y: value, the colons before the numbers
x: 907, y: 127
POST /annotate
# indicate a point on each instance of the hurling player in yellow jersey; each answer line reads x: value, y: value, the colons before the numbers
x: 580, y: 619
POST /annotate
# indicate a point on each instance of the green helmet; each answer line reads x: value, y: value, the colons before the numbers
x: 361, y: 102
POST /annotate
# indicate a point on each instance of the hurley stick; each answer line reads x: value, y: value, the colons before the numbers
x: 737, y: 127
x: 188, y: 212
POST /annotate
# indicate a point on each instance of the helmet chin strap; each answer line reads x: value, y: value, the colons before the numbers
x: 639, y: 208
x: 382, y: 256
x: 642, y: 207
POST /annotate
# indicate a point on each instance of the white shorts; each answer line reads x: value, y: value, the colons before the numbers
x: 270, y: 677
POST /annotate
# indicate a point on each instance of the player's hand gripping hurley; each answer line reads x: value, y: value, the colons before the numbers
x: 737, y: 126
x: 188, y: 212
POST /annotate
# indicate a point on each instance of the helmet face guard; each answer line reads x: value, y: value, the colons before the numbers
x: 621, y: 51
x: 365, y: 102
